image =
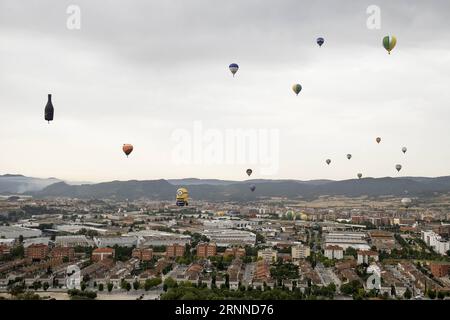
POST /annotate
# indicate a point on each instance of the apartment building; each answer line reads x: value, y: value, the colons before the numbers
x: 205, y: 250
x: 175, y: 250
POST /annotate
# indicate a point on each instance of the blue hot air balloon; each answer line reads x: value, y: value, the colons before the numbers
x: 234, y: 68
x: 320, y: 41
x: 252, y: 187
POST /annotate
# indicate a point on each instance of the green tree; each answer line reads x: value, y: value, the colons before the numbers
x: 136, y: 285
x: 170, y: 283
x: 431, y: 294
x: 408, y: 294
x: 110, y: 286
x: 100, y: 287
x: 151, y: 283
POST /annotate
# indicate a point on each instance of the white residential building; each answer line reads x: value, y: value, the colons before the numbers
x: 300, y: 251
x: 365, y: 256
x: 435, y: 241
x: 268, y: 255
x: 334, y: 252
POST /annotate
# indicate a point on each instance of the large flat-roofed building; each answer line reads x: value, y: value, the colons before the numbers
x: 128, y: 242
x: 14, y: 232
x: 229, y: 224
x: 356, y: 240
x: 73, y: 241
x: 230, y: 237
x: 40, y: 240
x: 148, y: 238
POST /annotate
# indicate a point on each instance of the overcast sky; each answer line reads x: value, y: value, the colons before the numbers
x: 140, y: 71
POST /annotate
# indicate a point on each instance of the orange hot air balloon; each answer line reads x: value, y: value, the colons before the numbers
x: 127, y: 149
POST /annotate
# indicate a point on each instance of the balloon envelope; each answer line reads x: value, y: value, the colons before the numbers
x: 398, y: 167
x: 328, y: 161
x: 249, y: 172
x: 234, y: 68
x: 297, y: 88
x: 378, y: 139
x: 406, y: 202
x: 389, y: 43
x: 359, y: 175
x: 127, y: 149
x: 49, y: 110
x: 349, y: 156
x: 252, y: 187
x: 320, y: 41
x: 404, y: 149
x: 182, y: 197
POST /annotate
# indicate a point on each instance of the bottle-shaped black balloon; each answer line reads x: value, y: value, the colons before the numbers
x: 49, y: 109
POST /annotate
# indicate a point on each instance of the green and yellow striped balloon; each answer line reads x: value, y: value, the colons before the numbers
x: 389, y: 43
x: 297, y: 88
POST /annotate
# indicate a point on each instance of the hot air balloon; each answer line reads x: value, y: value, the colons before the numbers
x: 234, y: 68
x: 328, y: 161
x: 320, y: 41
x: 389, y: 43
x: 398, y: 167
x: 349, y: 156
x: 182, y: 197
x: 249, y: 172
x: 127, y: 149
x: 406, y: 202
x: 359, y: 175
x: 297, y: 88
x: 404, y: 149
x: 252, y: 187
x: 378, y: 139
x: 49, y: 110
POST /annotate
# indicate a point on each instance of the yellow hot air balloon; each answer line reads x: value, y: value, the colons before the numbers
x: 182, y: 197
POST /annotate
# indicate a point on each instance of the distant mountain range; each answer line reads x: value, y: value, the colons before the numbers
x: 217, y: 190
x: 16, y: 183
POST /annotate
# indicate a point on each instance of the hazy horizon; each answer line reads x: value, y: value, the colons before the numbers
x: 140, y: 72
